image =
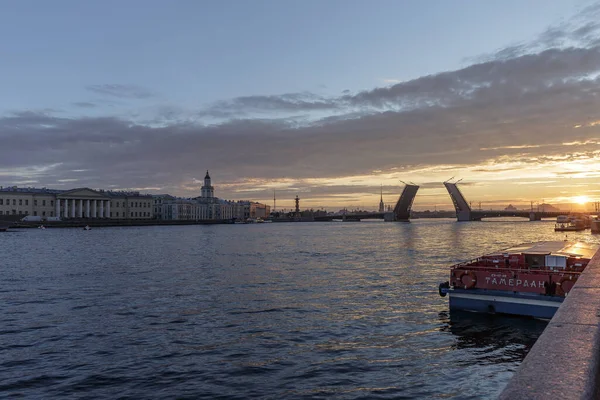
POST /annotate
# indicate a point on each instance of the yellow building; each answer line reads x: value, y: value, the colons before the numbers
x: 81, y: 203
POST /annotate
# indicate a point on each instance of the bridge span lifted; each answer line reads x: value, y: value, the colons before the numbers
x: 464, y: 212
x: 401, y: 210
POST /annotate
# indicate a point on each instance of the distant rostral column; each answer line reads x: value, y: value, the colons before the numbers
x: 297, y: 206
x: 381, y: 205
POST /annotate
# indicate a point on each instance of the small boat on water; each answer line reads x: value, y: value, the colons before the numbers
x: 86, y: 228
x: 531, y: 279
x: 571, y: 226
x: 572, y: 223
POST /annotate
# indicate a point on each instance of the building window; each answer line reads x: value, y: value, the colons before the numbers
x: 1, y: 212
x: 43, y: 213
x: 44, y: 203
x: 1, y: 202
x: 20, y: 202
x: 117, y: 204
x: 26, y: 202
x: 52, y: 213
x: 14, y: 202
x: 35, y: 213
x: 35, y: 202
x: 52, y: 202
x: 111, y: 214
x: 132, y: 213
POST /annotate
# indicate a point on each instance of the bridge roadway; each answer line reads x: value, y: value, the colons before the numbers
x: 351, y: 217
x: 474, y: 215
x: 532, y: 215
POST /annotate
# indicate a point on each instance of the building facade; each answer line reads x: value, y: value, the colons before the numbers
x: 81, y: 203
x: 28, y: 201
x: 86, y: 203
x: 206, y: 207
x: 258, y: 210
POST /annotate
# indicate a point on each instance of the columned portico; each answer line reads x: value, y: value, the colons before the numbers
x: 57, y: 213
x: 83, y: 202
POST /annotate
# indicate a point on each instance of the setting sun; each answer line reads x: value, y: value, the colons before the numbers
x: 580, y: 199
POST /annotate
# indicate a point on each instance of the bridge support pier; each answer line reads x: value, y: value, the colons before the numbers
x: 463, y: 216
x: 535, y: 216
x: 389, y: 217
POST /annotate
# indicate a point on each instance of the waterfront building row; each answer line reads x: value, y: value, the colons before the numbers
x: 85, y: 203
x: 75, y: 203
x: 206, y: 207
x: 167, y: 207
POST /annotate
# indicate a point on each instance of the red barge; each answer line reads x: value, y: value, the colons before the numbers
x: 531, y: 279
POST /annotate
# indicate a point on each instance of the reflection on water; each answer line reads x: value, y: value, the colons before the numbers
x: 485, y: 331
x: 270, y: 311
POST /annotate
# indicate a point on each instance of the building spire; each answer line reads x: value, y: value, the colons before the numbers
x: 207, y: 190
x: 381, y: 205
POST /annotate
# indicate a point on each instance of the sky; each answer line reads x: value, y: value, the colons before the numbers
x: 332, y: 100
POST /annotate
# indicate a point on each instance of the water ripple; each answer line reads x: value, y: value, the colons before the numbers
x: 267, y: 311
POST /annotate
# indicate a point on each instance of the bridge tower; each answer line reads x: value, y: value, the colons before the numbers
x: 463, y: 210
x: 404, y: 204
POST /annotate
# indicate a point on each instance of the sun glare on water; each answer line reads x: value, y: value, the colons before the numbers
x: 580, y: 199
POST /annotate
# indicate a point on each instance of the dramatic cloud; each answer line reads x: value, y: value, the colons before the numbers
x: 528, y: 112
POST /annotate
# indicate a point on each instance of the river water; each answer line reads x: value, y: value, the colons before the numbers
x: 282, y: 310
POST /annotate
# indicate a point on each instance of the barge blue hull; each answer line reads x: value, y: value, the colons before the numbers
x: 492, y: 302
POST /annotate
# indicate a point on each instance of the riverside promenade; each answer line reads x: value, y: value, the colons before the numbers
x: 564, y: 362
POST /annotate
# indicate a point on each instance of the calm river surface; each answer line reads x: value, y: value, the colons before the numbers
x: 305, y: 310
